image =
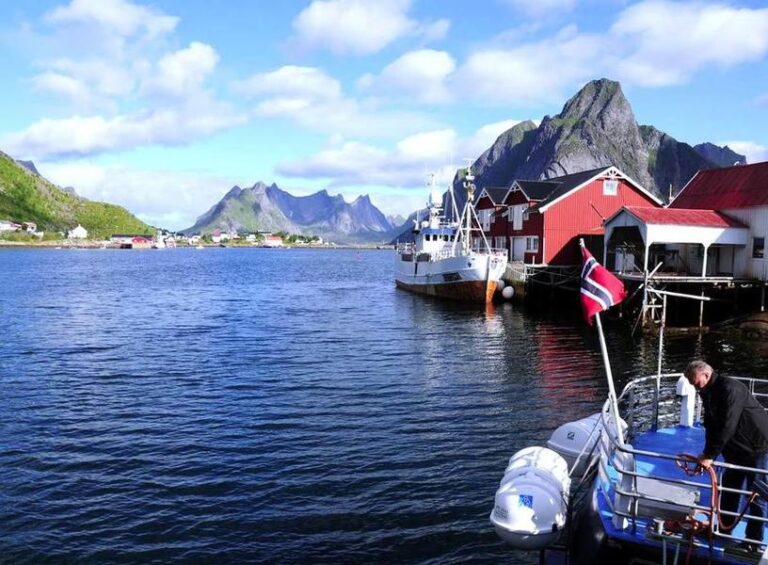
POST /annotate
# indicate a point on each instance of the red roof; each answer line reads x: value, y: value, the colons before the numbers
x: 732, y: 187
x: 683, y: 217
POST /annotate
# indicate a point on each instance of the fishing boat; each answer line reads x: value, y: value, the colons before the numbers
x: 450, y: 259
x: 623, y: 485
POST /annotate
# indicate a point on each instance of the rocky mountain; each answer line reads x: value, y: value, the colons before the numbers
x: 268, y: 208
x: 25, y: 196
x: 723, y: 156
x: 29, y: 165
x: 596, y: 127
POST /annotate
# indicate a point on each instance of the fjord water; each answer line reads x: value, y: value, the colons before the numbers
x: 283, y: 406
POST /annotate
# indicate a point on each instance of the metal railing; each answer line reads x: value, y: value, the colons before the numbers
x: 447, y: 251
x: 634, y: 494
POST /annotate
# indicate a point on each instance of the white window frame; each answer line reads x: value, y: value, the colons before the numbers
x: 485, y: 219
x: 532, y: 244
x: 517, y: 216
x: 610, y: 187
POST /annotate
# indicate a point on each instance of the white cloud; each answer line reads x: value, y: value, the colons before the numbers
x: 167, y: 199
x: 670, y: 41
x: 132, y: 94
x: 405, y: 166
x: 419, y: 74
x: 291, y: 80
x: 118, y: 16
x: 62, y: 85
x: 754, y: 152
x: 652, y: 43
x: 183, y: 72
x: 90, y: 135
x: 313, y: 99
x: 360, y: 27
x: 534, y: 72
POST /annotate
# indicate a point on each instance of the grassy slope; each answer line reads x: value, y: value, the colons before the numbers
x: 28, y: 198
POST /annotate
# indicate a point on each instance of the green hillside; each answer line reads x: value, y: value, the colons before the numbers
x: 25, y: 197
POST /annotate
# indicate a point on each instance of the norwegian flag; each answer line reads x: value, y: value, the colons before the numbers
x: 599, y: 288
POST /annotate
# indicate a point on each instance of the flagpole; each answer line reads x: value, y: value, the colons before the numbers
x: 611, y: 388
x: 603, y: 349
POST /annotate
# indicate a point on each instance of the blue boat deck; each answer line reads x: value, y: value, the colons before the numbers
x: 672, y: 441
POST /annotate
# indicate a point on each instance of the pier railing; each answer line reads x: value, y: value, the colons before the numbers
x: 641, y: 496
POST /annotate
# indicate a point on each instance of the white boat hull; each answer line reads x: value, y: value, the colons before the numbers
x: 470, y: 278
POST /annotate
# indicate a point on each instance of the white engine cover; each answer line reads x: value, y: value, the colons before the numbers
x: 573, y: 438
x: 531, y: 504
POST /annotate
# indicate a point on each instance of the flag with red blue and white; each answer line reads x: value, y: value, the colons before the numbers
x: 600, y: 289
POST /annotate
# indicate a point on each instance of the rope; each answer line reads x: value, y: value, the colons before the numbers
x: 690, y: 466
x: 692, y: 526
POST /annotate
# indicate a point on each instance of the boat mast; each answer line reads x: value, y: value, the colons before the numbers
x: 469, y: 186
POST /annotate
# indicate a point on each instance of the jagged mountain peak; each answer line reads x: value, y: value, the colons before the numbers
x: 598, y: 100
x: 595, y: 128
x: 233, y: 192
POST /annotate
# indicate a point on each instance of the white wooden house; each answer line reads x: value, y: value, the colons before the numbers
x: 739, y: 192
x: 78, y: 233
x: 686, y: 242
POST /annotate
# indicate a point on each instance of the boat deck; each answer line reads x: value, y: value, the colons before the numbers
x: 673, y: 441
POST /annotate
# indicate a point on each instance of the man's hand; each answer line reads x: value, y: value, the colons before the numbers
x: 704, y: 462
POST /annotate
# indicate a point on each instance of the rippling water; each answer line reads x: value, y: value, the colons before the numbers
x: 248, y: 405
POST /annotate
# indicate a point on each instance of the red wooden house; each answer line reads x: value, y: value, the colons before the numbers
x: 546, y: 218
x: 490, y: 209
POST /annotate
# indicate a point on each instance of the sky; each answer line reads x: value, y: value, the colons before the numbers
x: 162, y: 106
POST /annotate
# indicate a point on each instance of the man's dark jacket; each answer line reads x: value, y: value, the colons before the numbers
x: 736, y: 423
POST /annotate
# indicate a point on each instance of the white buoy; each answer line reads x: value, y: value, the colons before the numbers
x: 508, y: 292
x: 500, y: 284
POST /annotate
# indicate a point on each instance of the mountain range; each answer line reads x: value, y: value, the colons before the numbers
x: 595, y: 128
x: 268, y: 208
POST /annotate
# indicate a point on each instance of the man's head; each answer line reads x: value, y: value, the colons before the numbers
x: 698, y: 373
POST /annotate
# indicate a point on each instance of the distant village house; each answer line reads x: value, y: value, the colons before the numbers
x: 78, y: 233
x: 273, y: 241
x: 132, y: 240
x: 6, y: 226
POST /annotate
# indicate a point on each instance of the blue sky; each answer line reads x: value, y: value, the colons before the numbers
x: 163, y: 106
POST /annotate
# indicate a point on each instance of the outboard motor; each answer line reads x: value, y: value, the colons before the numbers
x: 532, y: 502
x: 576, y: 440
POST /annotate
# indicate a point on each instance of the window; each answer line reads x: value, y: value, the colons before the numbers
x: 485, y: 219
x: 758, y: 247
x: 610, y: 187
x: 517, y: 219
x: 532, y: 244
